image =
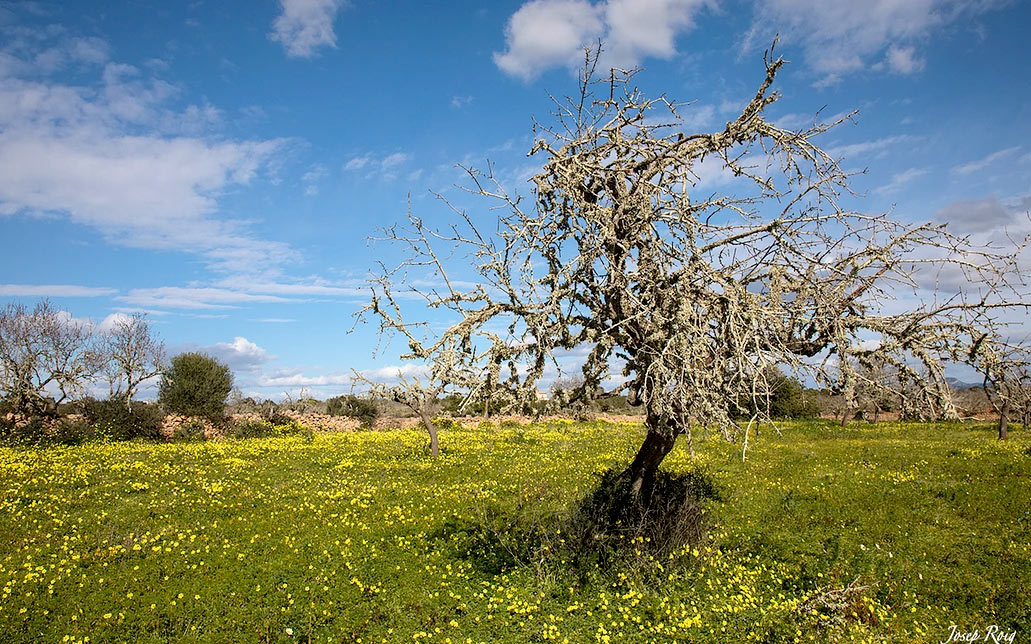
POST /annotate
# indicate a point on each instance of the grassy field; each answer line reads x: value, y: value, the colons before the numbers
x: 360, y: 537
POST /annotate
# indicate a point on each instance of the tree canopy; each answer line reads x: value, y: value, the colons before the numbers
x: 692, y: 297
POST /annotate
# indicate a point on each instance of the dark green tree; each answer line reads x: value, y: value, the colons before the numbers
x: 196, y: 385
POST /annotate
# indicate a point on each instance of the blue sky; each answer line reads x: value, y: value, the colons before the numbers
x: 219, y: 165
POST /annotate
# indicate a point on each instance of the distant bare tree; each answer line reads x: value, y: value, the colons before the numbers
x: 45, y: 358
x: 134, y: 355
x: 1007, y: 383
x: 694, y: 295
x: 421, y: 394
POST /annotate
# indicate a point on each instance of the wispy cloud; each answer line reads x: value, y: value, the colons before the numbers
x: 461, y: 101
x: 899, y: 180
x: 981, y: 164
x: 385, y: 166
x: 874, y: 149
x: 312, y: 178
x: 54, y: 290
x: 305, y: 26
x: 177, y: 297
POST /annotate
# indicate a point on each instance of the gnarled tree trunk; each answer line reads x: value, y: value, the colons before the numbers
x: 431, y: 429
x: 645, y: 466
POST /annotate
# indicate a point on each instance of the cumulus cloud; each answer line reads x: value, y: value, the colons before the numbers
x: 108, y: 324
x: 305, y: 26
x: 839, y: 38
x: 543, y: 34
x: 241, y: 354
x: 113, y: 156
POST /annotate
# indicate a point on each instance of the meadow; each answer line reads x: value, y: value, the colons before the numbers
x: 886, y: 533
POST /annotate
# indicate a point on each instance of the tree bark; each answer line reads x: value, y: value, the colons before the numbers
x: 432, y: 430
x: 645, y: 465
x: 1004, y: 419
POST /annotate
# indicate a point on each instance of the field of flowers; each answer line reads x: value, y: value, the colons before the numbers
x: 889, y: 533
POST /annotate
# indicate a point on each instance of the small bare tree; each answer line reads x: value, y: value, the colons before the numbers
x: 45, y: 357
x: 1007, y: 383
x: 134, y: 355
x: 422, y: 394
x: 690, y: 296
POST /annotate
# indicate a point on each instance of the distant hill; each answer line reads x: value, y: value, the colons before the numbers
x: 959, y: 384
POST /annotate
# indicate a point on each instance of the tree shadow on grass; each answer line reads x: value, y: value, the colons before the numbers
x: 609, y: 527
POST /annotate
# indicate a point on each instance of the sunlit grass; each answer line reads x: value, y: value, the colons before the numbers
x: 351, y: 537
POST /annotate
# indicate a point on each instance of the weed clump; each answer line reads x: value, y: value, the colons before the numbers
x: 613, y: 518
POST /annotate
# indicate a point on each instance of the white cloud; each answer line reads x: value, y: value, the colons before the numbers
x: 313, y: 287
x: 109, y: 323
x: 357, y: 163
x: 53, y: 290
x: 241, y: 354
x: 548, y: 33
x: 844, y: 37
x: 900, y: 179
x: 695, y: 118
x: 298, y: 379
x: 642, y: 28
x: 176, y: 297
x: 393, y: 373
x: 981, y: 164
x: 876, y: 148
x: 394, y: 159
x: 903, y: 60
x: 304, y: 26
x: 312, y: 178
x: 460, y: 101
x: 111, y: 156
x: 553, y: 33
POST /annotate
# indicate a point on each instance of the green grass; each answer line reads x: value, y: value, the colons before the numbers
x: 361, y: 537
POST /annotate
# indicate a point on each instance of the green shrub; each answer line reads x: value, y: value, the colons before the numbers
x: 33, y: 431
x: 446, y: 422
x: 191, y: 430
x: 250, y: 428
x: 364, y: 410
x: 73, y: 431
x: 196, y: 385
x: 788, y: 399
x: 115, y: 420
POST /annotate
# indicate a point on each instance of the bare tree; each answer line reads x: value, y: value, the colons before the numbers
x: 45, y: 357
x: 134, y: 355
x: 421, y: 394
x: 1007, y: 383
x: 691, y: 296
